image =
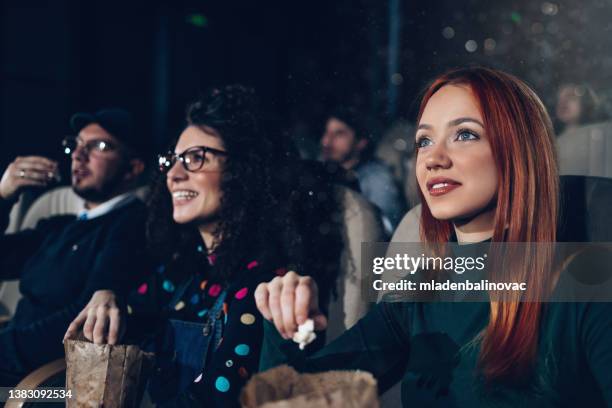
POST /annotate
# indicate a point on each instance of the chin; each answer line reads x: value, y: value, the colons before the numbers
x: 449, y: 212
x: 182, y: 218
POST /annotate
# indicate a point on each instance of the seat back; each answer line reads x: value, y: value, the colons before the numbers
x: 361, y: 224
x: 586, y: 151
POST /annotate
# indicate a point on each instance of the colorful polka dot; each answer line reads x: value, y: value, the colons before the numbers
x: 203, y: 284
x: 212, y: 259
x: 202, y: 312
x: 168, y: 286
x: 180, y: 305
x: 242, y: 350
x: 200, y: 248
x: 214, y: 290
x: 129, y: 309
x: 253, y: 264
x: 198, y: 379
x: 222, y: 384
x: 242, y: 293
x: 142, y: 289
x: 242, y: 372
x: 229, y: 363
x: 195, y: 299
x: 247, y: 319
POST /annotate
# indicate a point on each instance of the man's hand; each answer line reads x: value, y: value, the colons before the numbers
x: 289, y: 301
x: 100, y: 319
x: 30, y: 171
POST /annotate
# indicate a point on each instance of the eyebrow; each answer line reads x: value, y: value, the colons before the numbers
x: 454, y: 122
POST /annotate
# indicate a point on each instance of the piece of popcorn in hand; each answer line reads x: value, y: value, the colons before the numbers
x: 305, y: 334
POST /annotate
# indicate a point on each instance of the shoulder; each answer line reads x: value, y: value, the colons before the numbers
x: 375, y: 169
x: 129, y: 219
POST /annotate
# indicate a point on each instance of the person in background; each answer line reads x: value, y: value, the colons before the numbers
x: 347, y: 143
x: 577, y: 104
x: 65, y: 259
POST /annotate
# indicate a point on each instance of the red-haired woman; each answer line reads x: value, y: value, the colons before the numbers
x: 486, y: 170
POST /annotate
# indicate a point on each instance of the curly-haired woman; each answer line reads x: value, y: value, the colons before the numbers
x: 222, y: 220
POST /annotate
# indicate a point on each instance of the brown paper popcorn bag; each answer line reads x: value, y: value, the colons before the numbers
x: 104, y: 375
x: 283, y: 387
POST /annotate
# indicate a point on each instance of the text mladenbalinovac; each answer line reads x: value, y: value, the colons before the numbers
x: 410, y: 265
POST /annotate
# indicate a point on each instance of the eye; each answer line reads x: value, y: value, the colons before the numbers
x: 422, y: 141
x: 194, y: 158
x: 465, y: 135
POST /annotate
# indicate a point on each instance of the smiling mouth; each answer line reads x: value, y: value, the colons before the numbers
x: 184, y: 196
x: 80, y: 173
x: 438, y: 188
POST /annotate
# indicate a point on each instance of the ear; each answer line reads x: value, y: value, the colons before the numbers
x: 135, y: 167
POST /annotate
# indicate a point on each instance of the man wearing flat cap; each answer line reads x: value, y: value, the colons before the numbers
x: 65, y: 259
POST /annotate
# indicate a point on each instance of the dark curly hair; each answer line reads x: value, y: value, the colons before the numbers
x: 268, y: 212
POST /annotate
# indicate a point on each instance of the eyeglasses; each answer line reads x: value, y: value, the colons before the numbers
x: 193, y: 159
x: 70, y: 144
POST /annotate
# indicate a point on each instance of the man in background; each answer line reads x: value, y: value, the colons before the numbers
x: 65, y: 259
x: 347, y: 143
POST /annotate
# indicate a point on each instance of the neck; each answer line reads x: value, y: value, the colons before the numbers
x: 90, y: 205
x: 477, y: 228
x: 350, y: 163
x: 207, y: 231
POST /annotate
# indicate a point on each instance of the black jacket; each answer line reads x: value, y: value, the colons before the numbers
x: 60, y: 264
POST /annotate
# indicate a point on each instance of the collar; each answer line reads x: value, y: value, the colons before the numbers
x: 106, y: 207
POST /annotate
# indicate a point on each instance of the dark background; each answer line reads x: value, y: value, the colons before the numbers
x: 303, y: 57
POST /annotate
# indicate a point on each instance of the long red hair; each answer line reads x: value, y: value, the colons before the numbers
x: 522, y: 142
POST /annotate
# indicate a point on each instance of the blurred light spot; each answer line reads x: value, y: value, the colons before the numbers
x: 397, y: 79
x: 400, y: 144
x: 516, y: 17
x: 471, y: 46
x: 489, y: 45
x: 198, y: 20
x: 550, y: 9
x: 448, y: 33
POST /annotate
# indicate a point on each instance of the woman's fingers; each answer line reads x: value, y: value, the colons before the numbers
x: 73, y: 328
x: 90, y: 322
x: 114, y: 325
x: 287, y: 300
x: 261, y: 300
x: 320, y: 321
x: 274, y: 289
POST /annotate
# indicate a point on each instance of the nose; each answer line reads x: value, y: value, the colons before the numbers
x: 177, y: 172
x: 325, y: 140
x: 438, y: 158
x: 80, y: 153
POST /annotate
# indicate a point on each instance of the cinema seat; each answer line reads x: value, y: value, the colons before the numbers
x: 586, y: 151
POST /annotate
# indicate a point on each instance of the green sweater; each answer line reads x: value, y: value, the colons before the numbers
x: 430, y: 347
